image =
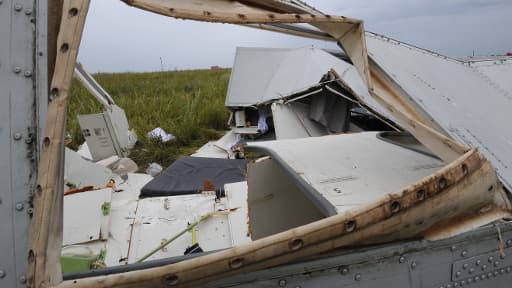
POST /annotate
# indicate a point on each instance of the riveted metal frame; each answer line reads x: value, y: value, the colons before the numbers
x: 46, y: 228
x: 411, y: 264
x: 22, y: 106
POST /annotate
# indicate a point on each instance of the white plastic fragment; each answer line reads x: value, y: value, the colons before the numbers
x: 154, y: 169
x: 124, y: 166
x: 84, y: 151
x: 160, y: 133
x: 119, y: 165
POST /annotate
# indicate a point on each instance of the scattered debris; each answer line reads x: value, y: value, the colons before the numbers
x: 159, y: 133
x: 331, y: 157
x: 106, y: 133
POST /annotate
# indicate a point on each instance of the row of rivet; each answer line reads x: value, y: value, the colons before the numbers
x: 19, y: 206
x: 283, y: 283
x: 17, y: 136
x: 345, y: 270
x: 22, y: 278
x: 483, y: 267
x: 18, y: 7
x: 469, y: 281
x: 464, y: 253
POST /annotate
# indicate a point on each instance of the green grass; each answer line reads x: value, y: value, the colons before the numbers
x: 187, y: 104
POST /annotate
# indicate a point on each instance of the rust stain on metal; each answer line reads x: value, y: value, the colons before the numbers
x: 461, y: 220
x: 78, y: 190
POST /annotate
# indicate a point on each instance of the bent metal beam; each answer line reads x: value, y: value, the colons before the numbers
x: 46, y: 227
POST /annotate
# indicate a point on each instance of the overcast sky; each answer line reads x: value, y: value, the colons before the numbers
x: 120, y: 38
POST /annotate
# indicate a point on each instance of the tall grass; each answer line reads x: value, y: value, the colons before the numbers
x: 187, y: 104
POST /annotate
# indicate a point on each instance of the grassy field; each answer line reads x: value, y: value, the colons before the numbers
x: 187, y: 104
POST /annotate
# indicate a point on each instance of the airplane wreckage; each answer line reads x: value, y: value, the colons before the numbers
x: 381, y: 164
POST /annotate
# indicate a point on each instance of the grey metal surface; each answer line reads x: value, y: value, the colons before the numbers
x: 99, y: 136
x: 263, y: 74
x: 471, y: 102
x: 22, y: 107
x: 498, y: 71
x: 347, y: 170
x: 106, y: 133
x: 92, y: 86
x: 414, y: 264
x: 260, y: 75
x: 118, y: 123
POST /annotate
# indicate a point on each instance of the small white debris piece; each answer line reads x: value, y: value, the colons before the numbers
x: 109, y: 162
x: 84, y: 152
x: 132, y: 138
x: 160, y: 133
x: 80, y: 172
x: 119, y: 165
x: 211, y: 150
x: 125, y: 165
x: 154, y: 169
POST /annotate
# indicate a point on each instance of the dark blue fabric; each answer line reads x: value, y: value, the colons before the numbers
x: 187, y: 175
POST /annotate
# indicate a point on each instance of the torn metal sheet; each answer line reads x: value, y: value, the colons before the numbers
x: 79, y: 172
x: 220, y: 148
x: 159, y: 219
x: 92, y: 86
x: 86, y: 216
x: 263, y: 74
x: 107, y: 133
x: 123, y: 208
x: 46, y: 228
x: 210, y: 150
x: 294, y: 29
x: 236, y: 195
x: 99, y: 136
x: 276, y: 203
x: 348, y: 32
x: 345, y: 171
x: 470, y: 102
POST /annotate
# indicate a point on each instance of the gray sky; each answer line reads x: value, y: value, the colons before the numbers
x: 120, y: 38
